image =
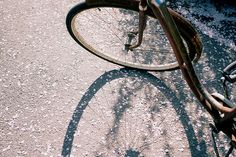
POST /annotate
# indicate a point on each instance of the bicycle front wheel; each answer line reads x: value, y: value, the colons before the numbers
x: 107, y: 30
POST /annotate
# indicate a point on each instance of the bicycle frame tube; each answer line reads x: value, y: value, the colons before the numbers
x: 210, y: 103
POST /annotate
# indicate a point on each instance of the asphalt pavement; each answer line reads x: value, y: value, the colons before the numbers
x: 46, y: 78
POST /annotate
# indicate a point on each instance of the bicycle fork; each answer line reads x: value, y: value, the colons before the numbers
x: 142, y: 26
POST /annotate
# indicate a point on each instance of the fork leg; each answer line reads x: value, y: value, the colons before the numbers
x: 142, y: 23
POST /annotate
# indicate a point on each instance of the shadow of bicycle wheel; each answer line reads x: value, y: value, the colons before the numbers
x: 121, y: 112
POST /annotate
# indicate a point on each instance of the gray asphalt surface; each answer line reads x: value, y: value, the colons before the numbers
x: 45, y: 76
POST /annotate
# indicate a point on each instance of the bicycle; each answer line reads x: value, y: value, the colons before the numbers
x: 174, y: 30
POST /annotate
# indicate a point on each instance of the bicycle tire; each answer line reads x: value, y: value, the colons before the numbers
x: 230, y: 72
x: 140, y: 60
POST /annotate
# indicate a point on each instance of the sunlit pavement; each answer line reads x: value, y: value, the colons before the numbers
x: 45, y: 76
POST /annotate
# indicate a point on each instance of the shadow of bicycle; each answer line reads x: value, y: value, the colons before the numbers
x: 131, y: 113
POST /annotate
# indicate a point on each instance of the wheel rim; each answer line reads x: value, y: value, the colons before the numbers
x: 108, y: 39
